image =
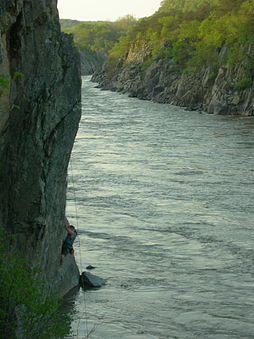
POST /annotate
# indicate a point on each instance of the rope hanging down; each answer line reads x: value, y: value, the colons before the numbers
x: 79, y: 246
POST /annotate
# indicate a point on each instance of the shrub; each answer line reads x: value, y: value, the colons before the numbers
x: 243, y: 83
x: 4, y: 83
x: 25, y: 308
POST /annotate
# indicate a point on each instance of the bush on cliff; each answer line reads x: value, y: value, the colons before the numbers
x: 4, y: 83
x: 25, y: 310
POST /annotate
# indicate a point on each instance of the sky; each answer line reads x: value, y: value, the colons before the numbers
x: 93, y: 10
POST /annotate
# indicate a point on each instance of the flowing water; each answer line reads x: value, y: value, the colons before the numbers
x: 163, y: 199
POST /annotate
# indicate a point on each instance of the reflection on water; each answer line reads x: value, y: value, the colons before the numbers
x: 164, y: 203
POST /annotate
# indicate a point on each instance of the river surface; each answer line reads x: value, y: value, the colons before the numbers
x: 163, y: 201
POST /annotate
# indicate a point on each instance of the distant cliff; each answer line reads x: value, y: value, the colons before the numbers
x: 90, y: 61
x: 39, y: 116
x: 223, y: 90
x: 196, y: 54
x: 94, y: 39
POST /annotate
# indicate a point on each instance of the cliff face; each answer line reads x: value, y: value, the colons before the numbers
x: 224, y: 90
x: 39, y: 116
x: 90, y: 61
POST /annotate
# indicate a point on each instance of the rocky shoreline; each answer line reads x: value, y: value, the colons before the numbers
x: 216, y: 91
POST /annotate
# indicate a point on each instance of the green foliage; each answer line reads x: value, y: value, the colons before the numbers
x: 185, y: 6
x: 4, y: 83
x: 243, y: 83
x: 15, y: 107
x: 193, y: 32
x: 100, y: 36
x: 67, y: 23
x: 120, y: 48
x: 18, y: 74
x: 24, y: 306
x: 147, y: 63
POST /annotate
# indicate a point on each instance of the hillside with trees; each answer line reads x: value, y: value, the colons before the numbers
x: 67, y: 23
x: 96, y: 39
x: 214, y: 36
x: 192, y: 32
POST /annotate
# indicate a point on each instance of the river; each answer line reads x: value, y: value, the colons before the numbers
x: 163, y: 201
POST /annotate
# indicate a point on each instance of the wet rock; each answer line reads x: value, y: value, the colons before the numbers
x: 89, y: 280
x: 68, y: 274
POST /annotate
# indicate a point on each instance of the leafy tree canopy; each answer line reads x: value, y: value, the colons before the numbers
x: 102, y: 35
x: 192, y: 33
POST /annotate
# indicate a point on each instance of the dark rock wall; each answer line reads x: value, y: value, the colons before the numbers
x: 90, y: 61
x: 209, y: 89
x: 39, y: 118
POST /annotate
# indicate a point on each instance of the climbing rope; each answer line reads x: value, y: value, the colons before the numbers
x: 79, y: 246
x: 76, y: 211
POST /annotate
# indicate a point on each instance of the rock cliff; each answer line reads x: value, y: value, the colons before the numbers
x: 221, y: 90
x: 39, y: 116
x: 90, y: 61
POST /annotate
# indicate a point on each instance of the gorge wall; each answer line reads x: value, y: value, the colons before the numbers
x: 90, y: 61
x: 221, y: 90
x: 39, y: 116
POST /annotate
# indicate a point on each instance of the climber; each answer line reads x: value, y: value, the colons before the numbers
x: 69, y: 240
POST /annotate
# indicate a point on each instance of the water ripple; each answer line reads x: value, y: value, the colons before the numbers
x: 165, y: 212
